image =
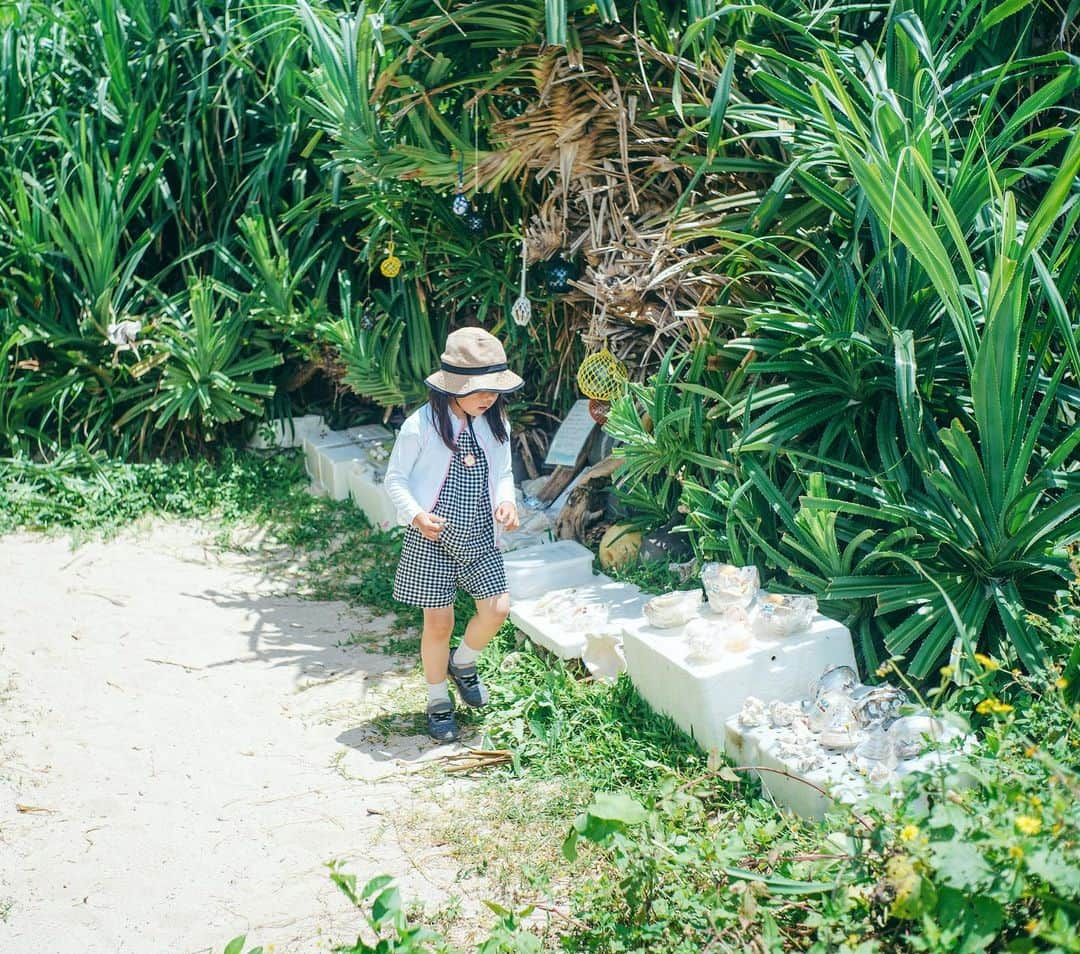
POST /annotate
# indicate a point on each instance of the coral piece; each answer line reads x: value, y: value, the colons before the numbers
x: 753, y: 712
x: 783, y: 714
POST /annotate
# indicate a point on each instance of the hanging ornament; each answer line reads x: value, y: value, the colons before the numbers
x: 598, y: 411
x: 391, y: 265
x: 474, y: 222
x: 559, y: 273
x: 602, y: 376
x: 460, y: 205
x: 522, y: 309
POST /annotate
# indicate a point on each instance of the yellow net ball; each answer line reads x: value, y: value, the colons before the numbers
x: 602, y: 376
x: 390, y: 266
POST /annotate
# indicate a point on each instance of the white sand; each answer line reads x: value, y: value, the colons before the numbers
x: 182, y: 748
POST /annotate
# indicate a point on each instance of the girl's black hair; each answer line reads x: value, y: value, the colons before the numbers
x: 440, y: 410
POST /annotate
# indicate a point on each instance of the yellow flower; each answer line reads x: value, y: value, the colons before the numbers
x: 1031, y: 927
x: 1027, y: 825
x: 986, y: 662
x: 1030, y: 751
x: 947, y: 671
x: 991, y: 704
x: 908, y: 833
x: 1016, y: 852
x: 1061, y: 682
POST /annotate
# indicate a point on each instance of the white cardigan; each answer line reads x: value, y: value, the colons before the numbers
x: 420, y: 462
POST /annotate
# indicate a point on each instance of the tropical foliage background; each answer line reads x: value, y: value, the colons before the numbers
x: 837, y: 246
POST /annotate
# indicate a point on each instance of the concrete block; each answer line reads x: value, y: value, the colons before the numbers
x: 335, y: 464
x: 701, y: 696
x: 283, y: 432
x: 534, y: 571
x: 561, y: 635
x: 371, y: 497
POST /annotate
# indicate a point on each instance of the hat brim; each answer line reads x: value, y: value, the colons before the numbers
x: 461, y: 385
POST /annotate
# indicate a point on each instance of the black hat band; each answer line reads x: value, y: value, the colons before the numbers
x: 488, y: 369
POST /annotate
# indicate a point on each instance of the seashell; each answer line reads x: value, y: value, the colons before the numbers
x: 825, y: 704
x: 603, y: 656
x: 727, y: 585
x: 909, y: 734
x: 510, y: 662
x: 779, y: 615
x: 753, y: 712
x: 783, y: 714
x: 840, y: 678
x: 877, y: 703
x: 673, y: 609
x: 842, y: 737
x: 839, y: 730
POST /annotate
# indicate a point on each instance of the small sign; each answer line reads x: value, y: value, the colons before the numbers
x: 571, y: 436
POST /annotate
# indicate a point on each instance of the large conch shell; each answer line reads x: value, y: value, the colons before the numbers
x: 603, y: 656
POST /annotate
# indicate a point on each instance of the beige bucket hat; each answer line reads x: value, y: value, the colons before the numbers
x: 474, y: 360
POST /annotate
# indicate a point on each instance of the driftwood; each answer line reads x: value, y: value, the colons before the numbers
x: 584, y: 507
x: 563, y: 477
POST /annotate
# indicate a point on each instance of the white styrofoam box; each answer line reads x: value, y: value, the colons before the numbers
x: 701, y: 696
x: 623, y: 601
x: 318, y: 441
x: 812, y: 793
x: 335, y: 463
x: 533, y: 571
x: 371, y: 497
x: 369, y: 434
x: 284, y: 432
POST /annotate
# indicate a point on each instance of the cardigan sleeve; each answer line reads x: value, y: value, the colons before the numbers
x: 402, y: 460
x: 504, y: 491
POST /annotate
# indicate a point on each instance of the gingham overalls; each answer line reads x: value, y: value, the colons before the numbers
x: 430, y: 572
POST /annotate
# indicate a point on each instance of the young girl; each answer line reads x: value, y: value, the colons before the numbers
x: 450, y: 480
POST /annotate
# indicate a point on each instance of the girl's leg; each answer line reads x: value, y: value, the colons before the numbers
x: 491, y: 613
x: 435, y: 643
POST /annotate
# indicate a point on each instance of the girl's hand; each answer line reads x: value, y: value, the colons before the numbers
x: 429, y: 525
x: 507, y: 515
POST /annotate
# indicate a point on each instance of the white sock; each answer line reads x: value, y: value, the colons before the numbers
x: 466, y: 655
x: 437, y: 692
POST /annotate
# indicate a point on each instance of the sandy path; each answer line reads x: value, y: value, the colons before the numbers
x: 182, y: 747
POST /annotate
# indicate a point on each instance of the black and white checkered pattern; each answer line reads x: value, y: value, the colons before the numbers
x: 430, y: 573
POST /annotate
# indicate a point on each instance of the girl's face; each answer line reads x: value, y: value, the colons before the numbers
x: 477, y: 403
